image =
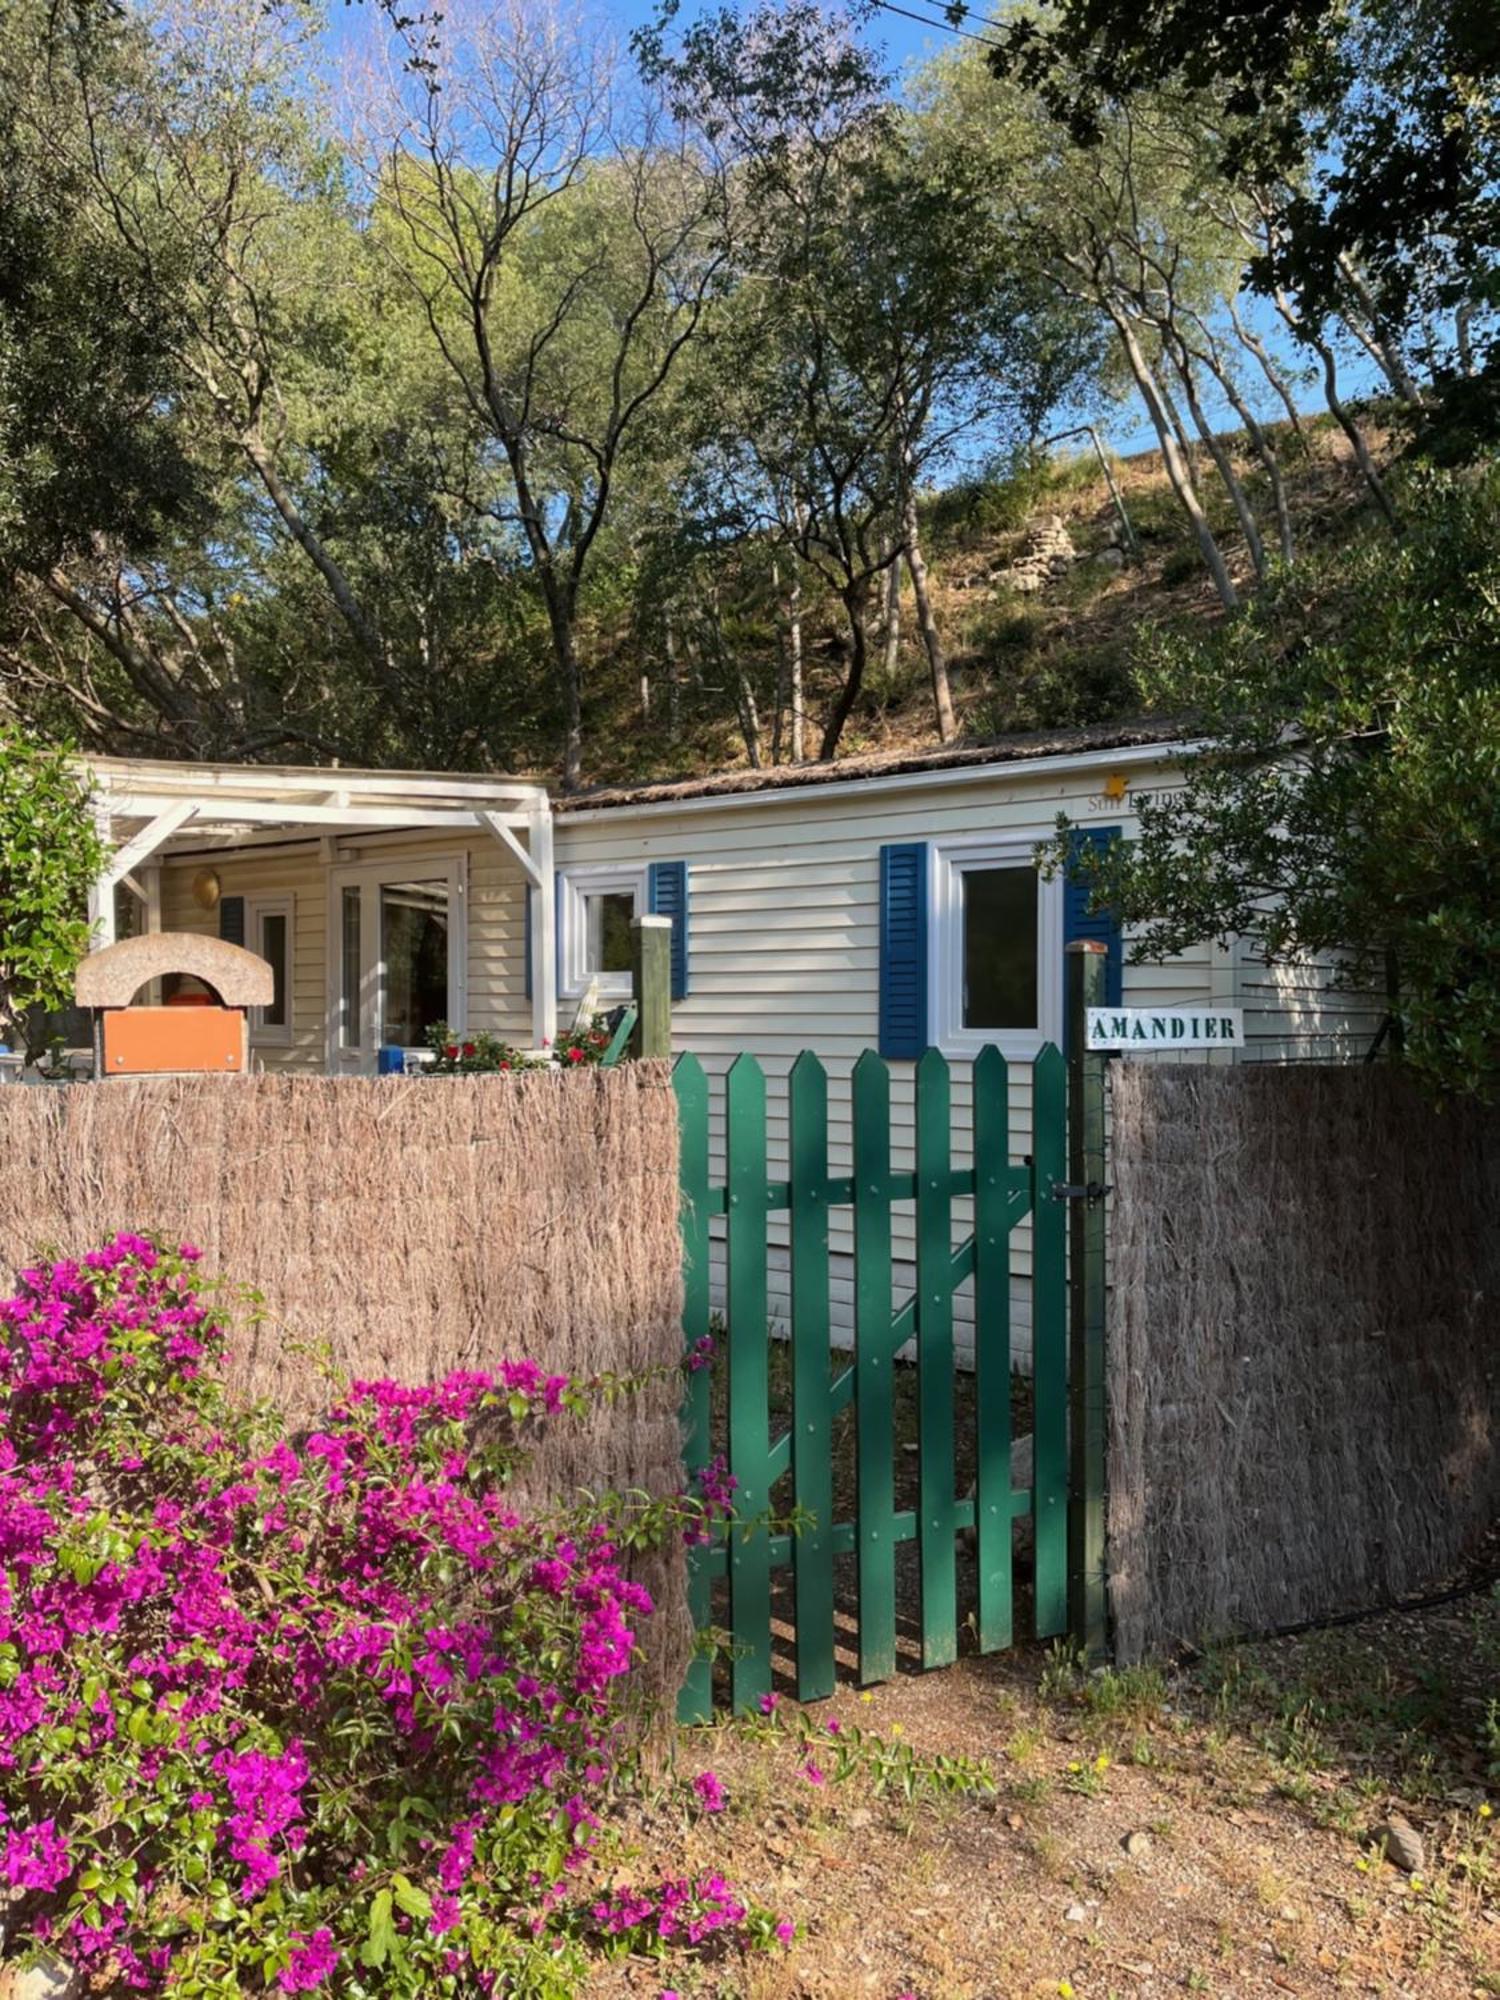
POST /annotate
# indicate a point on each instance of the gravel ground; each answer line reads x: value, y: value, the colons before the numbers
x: 1203, y: 1831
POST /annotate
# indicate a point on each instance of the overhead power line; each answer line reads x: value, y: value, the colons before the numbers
x: 944, y: 26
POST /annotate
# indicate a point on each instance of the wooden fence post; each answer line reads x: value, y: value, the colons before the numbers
x: 1088, y: 1606
x: 651, y: 982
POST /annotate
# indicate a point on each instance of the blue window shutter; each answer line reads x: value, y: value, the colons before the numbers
x: 232, y: 919
x: 1079, y: 921
x: 667, y: 895
x: 903, y: 950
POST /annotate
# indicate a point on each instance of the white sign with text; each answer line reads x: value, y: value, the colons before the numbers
x: 1135, y: 1030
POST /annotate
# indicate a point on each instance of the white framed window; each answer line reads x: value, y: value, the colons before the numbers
x: 270, y: 932
x: 996, y: 949
x: 597, y: 906
x: 398, y: 966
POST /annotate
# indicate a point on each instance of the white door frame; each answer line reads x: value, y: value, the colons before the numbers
x: 368, y: 876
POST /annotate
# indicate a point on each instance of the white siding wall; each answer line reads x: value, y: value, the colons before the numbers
x: 784, y: 940
x: 784, y: 933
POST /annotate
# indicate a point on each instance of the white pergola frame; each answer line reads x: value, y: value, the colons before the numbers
x: 146, y: 810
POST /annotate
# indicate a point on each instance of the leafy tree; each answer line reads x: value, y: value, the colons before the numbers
x: 874, y: 321
x: 563, y: 244
x: 1374, y: 121
x: 1349, y: 799
x: 50, y: 853
x: 88, y: 445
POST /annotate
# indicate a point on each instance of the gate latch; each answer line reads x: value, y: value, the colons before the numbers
x: 1091, y: 1192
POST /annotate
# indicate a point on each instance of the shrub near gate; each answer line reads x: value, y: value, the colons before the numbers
x: 311, y: 1713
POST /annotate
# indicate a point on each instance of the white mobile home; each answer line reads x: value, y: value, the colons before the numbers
x: 873, y: 904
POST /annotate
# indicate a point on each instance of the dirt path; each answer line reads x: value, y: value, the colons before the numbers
x: 1146, y: 1835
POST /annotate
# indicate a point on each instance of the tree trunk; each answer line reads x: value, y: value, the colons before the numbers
x: 565, y: 652
x: 1463, y: 322
x: 1174, y: 415
x: 744, y: 694
x: 1313, y: 339
x: 1178, y: 470
x: 749, y: 718
x: 892, y: 634
x: 942, y: 692
x: 794, y: 666
x: 1375, y: 337
x: 1224, y: 464
x: 1253, y: 344
x: 340, y: 589
x: 1256, y: 432
x: 856, y: 601
x: 674, y: 685
x: 778, y: 720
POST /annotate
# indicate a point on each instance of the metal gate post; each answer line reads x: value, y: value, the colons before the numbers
x: 1088, y: 1607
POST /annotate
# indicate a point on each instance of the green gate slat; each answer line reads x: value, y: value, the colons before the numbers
x: 904, y: 1529
x: 812, y: 1417
x: 934, y: 1294
x: 749, y: 1378
x: 874, y: 1411
x: 695, y: 1702
x: 992, y: 1224
x: 1050, y: 1340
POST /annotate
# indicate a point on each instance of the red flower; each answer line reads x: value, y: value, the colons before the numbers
x: 469, y: 1049
x: 505, y: 1065
x: 575, y: 1055
x: 450, y: 1050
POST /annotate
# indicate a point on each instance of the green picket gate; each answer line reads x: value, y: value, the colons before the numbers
x: 1003, y: 1196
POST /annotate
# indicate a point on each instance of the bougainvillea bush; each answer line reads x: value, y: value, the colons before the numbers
x: 302, y: 1713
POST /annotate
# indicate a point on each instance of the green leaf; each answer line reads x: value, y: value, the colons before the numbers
x: 381, y: 1935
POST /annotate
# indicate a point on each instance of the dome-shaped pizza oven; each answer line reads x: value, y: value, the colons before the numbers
x: 210, y: 1036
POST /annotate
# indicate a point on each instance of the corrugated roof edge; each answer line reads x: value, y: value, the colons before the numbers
x: 849, y: 770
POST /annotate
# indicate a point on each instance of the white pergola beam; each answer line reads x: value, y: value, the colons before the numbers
x: 229, y: 781
x: 141, y: 846
x: 287, y: 812
x: 507, y: 839
x: 543, y: 927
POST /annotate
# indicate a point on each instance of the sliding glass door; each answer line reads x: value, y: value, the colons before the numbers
x: 398, y: 961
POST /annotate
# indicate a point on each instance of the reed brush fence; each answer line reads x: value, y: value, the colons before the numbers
x: 404, y: 1226
x: 1003, y: 1196
x: 1304, y: 1346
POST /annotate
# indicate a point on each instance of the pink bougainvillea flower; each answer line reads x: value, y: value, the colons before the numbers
x: 242, y: 1594
x: 312, y: 1959
x: 709, y: 1787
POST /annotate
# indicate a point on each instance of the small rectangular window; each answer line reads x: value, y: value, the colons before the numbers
x: 268, y: 928
x: 995, y: 948
x: 351, y: 1018
x: 609, y: 923
x: 273, y: 951
x: 999, y: 948
x: 597, y: 908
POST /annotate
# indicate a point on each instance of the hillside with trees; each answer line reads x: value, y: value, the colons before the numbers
x: 472, y: 391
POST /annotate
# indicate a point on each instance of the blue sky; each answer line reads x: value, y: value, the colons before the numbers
x: 906, y: 43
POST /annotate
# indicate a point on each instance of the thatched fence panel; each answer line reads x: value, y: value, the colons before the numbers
x: 405, y: 1226
x: 1305, y: 1339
